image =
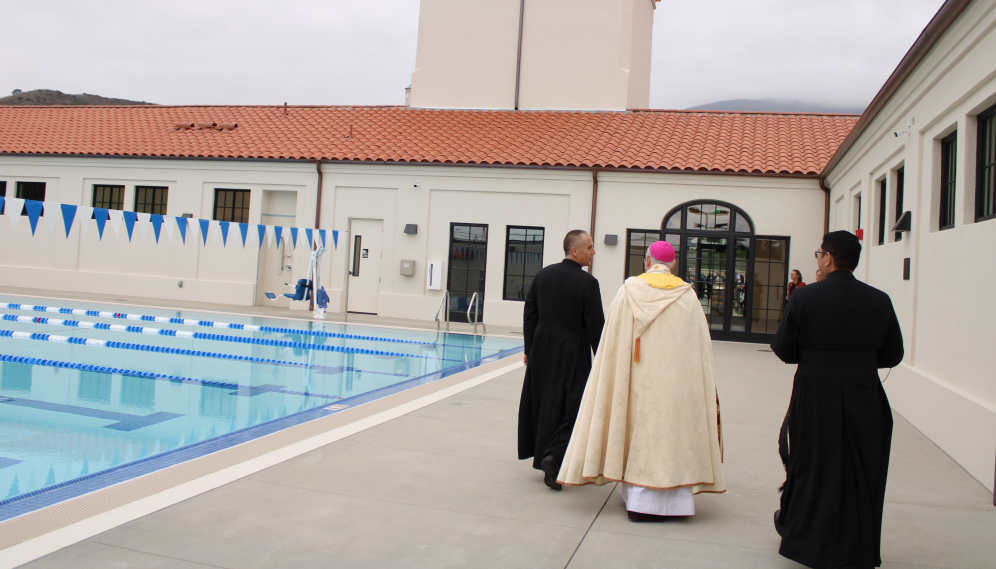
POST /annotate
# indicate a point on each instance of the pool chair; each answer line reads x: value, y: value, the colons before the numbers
x: 302, y: 291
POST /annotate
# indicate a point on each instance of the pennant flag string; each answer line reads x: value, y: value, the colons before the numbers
x: 53, y: 208
x: 244, y: 230
x: 157, y: 225
x: 68, y: 214
x: 14, y: 208
x: 84, y: 213
x: 34, y: 209
x: 204, y: 225
x: 293, y: 231
x: 101, y: 214
x: 181, y: 222
x: 223, y: 226
x: 261, y: 230
x: 116, y: 216
x: 130, y: 218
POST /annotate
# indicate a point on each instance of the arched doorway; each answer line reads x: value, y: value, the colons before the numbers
x: 738, y: 276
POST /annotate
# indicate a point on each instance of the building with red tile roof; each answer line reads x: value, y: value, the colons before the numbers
x: 674, y: 141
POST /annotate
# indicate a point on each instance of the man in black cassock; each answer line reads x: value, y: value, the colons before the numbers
x: 562, y: 323
x: 837, y: 434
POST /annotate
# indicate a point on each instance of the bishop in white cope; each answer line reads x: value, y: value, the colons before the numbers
x: 649, y: 417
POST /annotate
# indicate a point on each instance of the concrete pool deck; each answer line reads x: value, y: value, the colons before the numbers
x: 441, y: 487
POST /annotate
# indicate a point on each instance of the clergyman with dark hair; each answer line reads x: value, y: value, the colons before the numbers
x: 562, y: 323
x: 837, y: 434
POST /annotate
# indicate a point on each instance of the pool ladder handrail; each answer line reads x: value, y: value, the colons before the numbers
x: 476, y: 305
x: 445, y: 301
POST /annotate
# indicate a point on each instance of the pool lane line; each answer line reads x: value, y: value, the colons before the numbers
x: 204, y: 336
x: 211, y: 324
x: 157, y: 376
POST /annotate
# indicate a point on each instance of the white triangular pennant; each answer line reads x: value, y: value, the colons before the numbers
x: 14, y: 207
x: 51, y: 209
x: 84, y: 213
x: 215, y: 229
x: 143, y: 224
x: 269, y: 232
x: 116, y: 216
x: 170, y: 226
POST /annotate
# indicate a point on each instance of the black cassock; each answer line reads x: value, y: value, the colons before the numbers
x: 837, y: 434
x: 562, y: 323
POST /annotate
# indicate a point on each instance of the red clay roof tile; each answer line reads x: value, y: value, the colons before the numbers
x: 642, y: 140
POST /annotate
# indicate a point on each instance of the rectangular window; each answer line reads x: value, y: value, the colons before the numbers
x: 900, y: 186
x: 857, y: 209
x: 523, y: 259
x: 108, y: 197
x: 985, y: 175
x: 231, y: 205
x: 949, y: 152
x: 637, y: 242
x: 881, y: 211
x: 31, y: 191
x: 151, y: 199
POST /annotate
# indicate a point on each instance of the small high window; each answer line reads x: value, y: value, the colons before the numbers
x: 231, y: 205
x: 31, y: 191
x: 523, y: 259
x: 949, y: 153
x: 151, y: 199
x: 985, y: 175
x: 882, y: 194
x: 108, y: 197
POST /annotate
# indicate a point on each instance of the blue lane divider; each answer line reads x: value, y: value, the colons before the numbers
x: 150, y: 375
x: 201, y: 336
x: 209, y: 324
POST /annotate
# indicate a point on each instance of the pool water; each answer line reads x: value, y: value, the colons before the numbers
x: 92, y: 386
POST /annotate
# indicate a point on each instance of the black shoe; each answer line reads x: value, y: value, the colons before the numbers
x: 550, y: 470
x: 641, y: 517
x: 778, y: 526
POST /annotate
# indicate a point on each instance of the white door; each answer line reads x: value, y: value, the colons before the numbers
x: 278, y: 208
x: 364, y: 265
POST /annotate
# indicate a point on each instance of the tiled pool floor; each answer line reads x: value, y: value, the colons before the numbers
x: 441, y: 487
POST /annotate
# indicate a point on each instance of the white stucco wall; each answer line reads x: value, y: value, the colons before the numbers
x: 945, y: 386
x: 576, y: 54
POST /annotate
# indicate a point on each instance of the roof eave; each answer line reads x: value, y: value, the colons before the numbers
x: 939, y: 24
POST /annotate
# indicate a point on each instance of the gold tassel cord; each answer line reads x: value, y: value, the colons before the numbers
x: 636, y: 353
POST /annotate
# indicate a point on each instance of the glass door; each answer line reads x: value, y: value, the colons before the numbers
x: 705, y: 268
x: 468, y: 267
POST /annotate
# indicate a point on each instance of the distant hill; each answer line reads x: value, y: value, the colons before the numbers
x: 49, y: 97
x: 776, y: 106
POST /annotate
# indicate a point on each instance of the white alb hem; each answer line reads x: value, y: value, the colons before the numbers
x: 674, y: 502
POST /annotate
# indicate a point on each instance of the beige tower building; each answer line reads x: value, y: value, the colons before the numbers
x: 533, y: 54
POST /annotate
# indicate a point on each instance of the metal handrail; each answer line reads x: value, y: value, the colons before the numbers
x: 446, y: 315
x: 476, y: 305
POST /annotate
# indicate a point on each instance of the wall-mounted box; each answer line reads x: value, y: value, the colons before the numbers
x: 407, y: 267
x: 411, y: 228
x: 611, y: 239
x: 434, y: 275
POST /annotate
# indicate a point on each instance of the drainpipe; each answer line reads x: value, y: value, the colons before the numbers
x: 518, y: 55
x: 318, y: 219
x: 826, y: 206
x: 594, y: 203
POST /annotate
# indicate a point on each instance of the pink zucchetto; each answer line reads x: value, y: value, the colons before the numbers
x: 662, y: 251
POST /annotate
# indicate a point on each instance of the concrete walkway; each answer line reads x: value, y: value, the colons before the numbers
x: 441, y: 487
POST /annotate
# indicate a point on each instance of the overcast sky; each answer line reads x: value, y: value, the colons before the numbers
x: 348, y: 52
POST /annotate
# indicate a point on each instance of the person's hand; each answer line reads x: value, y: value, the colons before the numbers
x: 525, y: 360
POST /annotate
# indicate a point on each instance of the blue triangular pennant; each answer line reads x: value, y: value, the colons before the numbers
x: 224, y: 232
x: 2, y: 199
x: 100, y: 214
x: 310, y: 235
x: 181, y: 222
x: 204, y: 230
x: 335, y: 238
x: 68, y: 215
x: 293, y: 231
x: 277, y: 231
x: 157, y: 225
x: 243, y: 229
x: 261, y: 229
x: 34, y: 208
x: 130, y: 218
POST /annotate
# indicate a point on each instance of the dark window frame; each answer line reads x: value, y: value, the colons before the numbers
x: 883, y: 196
x: 230, y: 210
x: 985, y: 165
x: 459, y: 314
x: 156, y: 206
x: 21, y: 189
x: 108, y: 203
x: 505, y: 275
x: 900, y: 195
x: 629, y: 241
x: 949, y: 170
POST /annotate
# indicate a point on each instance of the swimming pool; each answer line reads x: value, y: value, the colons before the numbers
x: 89, y: 389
